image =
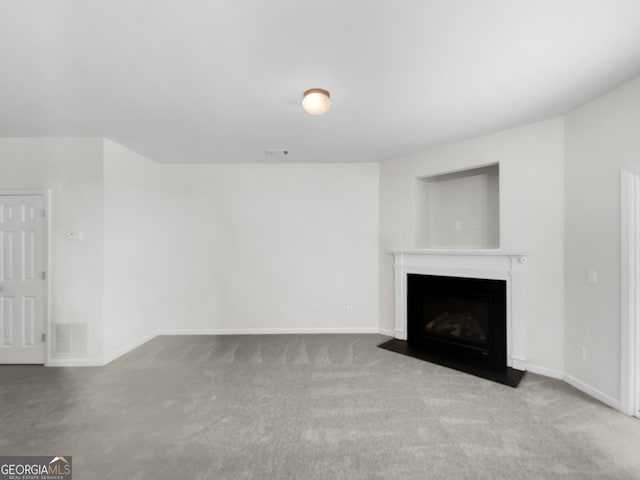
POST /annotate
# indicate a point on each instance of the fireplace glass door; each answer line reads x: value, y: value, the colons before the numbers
x: 455, y: 316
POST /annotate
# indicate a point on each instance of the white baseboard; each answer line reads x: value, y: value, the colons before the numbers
x: 122, y: 351
x: 589, y: 390
x: 574, y: 382
x: 75, y: 362
x: 386, y: 332
x: 545, y: 371
x: 98, y: 362
x: 269, y: 331
x: 518, y: 362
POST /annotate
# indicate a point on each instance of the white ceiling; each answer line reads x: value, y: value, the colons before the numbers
x: 222, y: 80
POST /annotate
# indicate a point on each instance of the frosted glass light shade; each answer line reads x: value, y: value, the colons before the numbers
x: 316, y: 101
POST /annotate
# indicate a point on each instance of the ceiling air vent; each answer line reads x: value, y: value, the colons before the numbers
x: 276, y: 152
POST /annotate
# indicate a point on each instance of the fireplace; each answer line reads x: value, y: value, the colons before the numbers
x: 462, y: 309
x: 458, y: 318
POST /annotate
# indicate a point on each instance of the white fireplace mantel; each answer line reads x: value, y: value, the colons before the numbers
x: 491, y: 264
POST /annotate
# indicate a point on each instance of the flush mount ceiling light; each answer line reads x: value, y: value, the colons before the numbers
x: 316, y: 101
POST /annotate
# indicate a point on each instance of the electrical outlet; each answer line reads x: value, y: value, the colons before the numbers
x: 592, y: 276
x: 350, y: 309
x: 74, y: 236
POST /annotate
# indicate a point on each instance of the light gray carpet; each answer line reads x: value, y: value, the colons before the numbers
x: 306, y: 407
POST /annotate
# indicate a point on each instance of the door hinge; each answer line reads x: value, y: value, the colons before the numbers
x: 44, y: 337
x: 44, y: 275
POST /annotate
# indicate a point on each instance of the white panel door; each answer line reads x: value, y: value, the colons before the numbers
x: 23, y: 286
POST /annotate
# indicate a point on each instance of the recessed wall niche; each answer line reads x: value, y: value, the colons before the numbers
x: 459, y: 210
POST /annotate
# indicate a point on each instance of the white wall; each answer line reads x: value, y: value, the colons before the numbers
x: 72, y: 169
x: 601, y: 138
x: 275, y: 246
x: 531, y: 216
x: 198, y: 248
x: 133, y: 266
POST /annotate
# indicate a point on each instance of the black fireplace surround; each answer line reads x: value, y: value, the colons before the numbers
x: 460, y: 323
x: 458, y: 317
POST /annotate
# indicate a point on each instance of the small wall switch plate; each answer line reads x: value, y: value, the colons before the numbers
x: 74, y: 236
x: 592, y: 276
x: 581, y: 351
x: 457, y: 225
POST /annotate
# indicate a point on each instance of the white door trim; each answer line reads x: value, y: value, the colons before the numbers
x: 46, y: 193
x: 630, y: 291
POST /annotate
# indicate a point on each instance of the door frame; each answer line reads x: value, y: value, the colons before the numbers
x: 630, y: 291
x: 46, y: 194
